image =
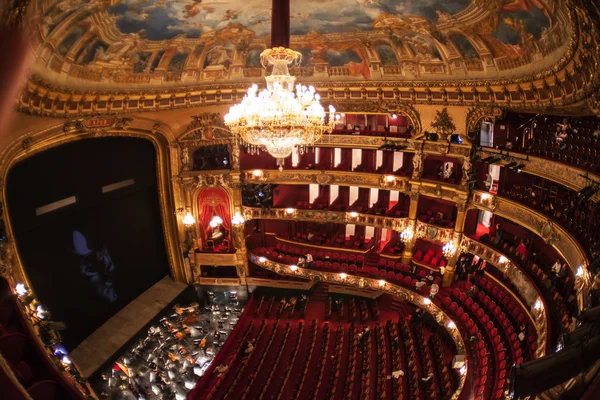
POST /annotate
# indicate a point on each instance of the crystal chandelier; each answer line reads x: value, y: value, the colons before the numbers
x: 279, y: 119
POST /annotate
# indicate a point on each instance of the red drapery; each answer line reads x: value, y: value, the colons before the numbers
x: 213, y: 202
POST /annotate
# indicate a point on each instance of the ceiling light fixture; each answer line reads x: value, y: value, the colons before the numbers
x: 279, y: 118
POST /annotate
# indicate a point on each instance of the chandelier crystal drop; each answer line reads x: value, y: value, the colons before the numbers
x: 279, y: 118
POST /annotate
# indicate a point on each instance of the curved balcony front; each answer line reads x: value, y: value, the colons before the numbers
x: 555, y: 235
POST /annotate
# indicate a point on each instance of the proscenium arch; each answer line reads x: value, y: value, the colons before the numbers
x: 57, y: 135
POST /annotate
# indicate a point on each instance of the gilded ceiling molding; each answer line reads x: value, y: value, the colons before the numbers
x: 573, y: 77
x: 477, y: 115
x: 522, y: 282
x: 374, y: 284
x: 71, y: 131
x: 553, y: 234
x: 403, y: 108
x: 326, y: 216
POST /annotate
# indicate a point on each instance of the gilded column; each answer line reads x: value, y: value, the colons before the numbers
x: 412, y: 221
x: 238, y: 225
x: 456, y: 239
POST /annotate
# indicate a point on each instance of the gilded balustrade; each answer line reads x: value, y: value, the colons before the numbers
x: 374, y: 284
x: 565, y: 174
x: 553, y: 234
x: 528, y: 290
x: 326, y: 216
x: 342, y: 178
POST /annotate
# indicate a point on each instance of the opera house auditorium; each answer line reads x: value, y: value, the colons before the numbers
x: 300, y: 199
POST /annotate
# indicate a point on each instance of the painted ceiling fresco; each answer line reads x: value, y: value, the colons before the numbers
x: 179, y: 42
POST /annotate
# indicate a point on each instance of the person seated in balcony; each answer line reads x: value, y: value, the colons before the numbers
x: 434, y: 290
x: 440, y: 172
x: 309, y: 260
x: 498, y: 236
x: 522, y: 248
x: 555, y: 268
x: 508, y: 145
x: 521, y: 335
x: 221, y: 369
x: 596, y: 133
x: 301, y: 262
x: 448, y: 171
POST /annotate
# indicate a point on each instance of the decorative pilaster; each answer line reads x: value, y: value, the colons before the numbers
x: 459, y: 227
x: 412, y: 221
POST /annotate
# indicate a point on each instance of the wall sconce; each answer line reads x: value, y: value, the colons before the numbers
x: 451, y: 325
x: 188, y: 219
x: 449, y: 249
x: 381, y: 283
x: 215, y: 221
x: 257, y: 173
x: 502, y: 260
x: 343, y: 275
x: 261, y: 259
x: 237, y: 219
x: 406, y: 235
x: 390, y: 178
x: 353, y: 214
x: 580, y: 271
x: 538, y: 305
x: 290, y: 211
x: 427, y: 301
x: 41, y: 312
x: 294, y: 268
x: 21, y: 289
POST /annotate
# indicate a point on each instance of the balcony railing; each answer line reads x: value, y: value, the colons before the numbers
x: 527, y: 289
x: 555, y: 235
x: 325, y: 216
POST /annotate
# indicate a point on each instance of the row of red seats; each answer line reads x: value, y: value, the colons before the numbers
x: 482, y: 348
x: 336, y: 364
x: 28, y: 361
x: 322, y: 255
x: 431, y: 257
x: 317, y: 371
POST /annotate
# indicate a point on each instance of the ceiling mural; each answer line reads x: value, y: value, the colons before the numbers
x: 132, y: 43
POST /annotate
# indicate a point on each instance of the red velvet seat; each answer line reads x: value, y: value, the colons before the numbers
x: 44, y: 390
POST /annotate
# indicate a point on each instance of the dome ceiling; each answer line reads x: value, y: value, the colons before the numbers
x: 172, y: 43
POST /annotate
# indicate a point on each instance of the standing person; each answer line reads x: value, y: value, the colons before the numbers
x: 488, y: 182
x: 498, y: 236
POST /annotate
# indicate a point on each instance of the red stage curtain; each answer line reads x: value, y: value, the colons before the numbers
x: 213, y: 202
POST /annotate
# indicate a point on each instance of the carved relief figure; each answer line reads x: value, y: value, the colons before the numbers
x: 417, y: 164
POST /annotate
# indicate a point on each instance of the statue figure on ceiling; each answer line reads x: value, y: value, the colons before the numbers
x: 218, y: 55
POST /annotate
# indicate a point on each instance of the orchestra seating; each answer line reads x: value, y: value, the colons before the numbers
x: 334, y: 359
